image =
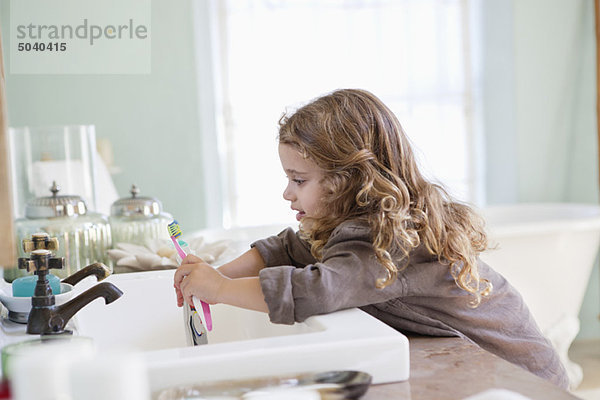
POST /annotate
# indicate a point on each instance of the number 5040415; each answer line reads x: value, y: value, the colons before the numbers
x: 42, y: 46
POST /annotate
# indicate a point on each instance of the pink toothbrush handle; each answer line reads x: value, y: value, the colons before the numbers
x: 207, y: 316
x: 205, y: 307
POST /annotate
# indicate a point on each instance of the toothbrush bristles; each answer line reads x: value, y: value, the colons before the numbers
x: 174, y: 229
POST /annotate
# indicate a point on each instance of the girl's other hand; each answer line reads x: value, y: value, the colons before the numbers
x: 194, y: 277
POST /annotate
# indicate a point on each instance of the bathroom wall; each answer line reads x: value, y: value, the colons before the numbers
x: 151, y: 120
x: 540, y: 110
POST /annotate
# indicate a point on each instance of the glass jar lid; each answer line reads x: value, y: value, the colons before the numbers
x: 55, y: 205
x: 136, y: 206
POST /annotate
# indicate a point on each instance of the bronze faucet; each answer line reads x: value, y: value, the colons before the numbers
x: 52, y: 319
x: 45, y: 316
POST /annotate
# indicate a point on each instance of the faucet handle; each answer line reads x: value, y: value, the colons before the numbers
x: 27, y: 264
x: 56, y: 263
x: 40, y: 241
x: 41, y: 260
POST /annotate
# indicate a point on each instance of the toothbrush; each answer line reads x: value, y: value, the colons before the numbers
x: 175, y: 232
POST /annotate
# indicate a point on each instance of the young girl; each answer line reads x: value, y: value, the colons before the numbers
x: 374, y: 234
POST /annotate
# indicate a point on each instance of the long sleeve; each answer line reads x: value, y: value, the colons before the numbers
x: 301, y: 287
x: 287, y: 248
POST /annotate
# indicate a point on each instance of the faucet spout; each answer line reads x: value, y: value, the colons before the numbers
x: 53, y: 319
x: 97, y: 269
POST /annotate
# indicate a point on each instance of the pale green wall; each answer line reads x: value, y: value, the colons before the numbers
x: 151, y: 120
x: 540, y: 110
x: 499, y: 108
x: 555, y: 100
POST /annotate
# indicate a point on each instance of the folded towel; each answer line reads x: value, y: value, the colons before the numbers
x: 160, y: 254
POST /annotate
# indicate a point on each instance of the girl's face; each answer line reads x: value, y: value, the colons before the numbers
x: 304, y: 188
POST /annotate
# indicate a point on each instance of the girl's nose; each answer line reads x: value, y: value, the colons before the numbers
x: 288, y: 194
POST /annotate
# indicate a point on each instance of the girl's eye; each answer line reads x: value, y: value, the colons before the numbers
x: 298, y: 181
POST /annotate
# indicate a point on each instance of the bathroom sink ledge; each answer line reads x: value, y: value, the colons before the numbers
x: 382, y: 359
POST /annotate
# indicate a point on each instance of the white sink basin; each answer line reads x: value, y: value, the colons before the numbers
x: 242, y: 344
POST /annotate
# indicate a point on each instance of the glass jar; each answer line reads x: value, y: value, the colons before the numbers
x: 137, y: 219
x: 42, y: 155
x: 84, y: 237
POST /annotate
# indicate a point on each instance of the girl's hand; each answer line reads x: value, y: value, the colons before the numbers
x: 196, y: 278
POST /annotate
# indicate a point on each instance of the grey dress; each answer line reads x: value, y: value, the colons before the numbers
x: 424, y: 299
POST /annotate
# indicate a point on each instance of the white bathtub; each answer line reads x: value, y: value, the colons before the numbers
x: 547, y: 251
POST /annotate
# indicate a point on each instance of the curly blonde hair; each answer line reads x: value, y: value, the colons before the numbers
x: 370, y: 173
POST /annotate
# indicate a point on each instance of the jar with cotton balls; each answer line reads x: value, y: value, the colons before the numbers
x: 137, y: 219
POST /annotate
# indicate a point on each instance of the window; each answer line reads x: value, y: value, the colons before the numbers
x: 278, y: 54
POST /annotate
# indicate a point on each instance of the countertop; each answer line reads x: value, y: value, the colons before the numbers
x: 453, y: 368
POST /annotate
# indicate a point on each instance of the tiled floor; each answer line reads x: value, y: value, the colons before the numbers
x: 587, y: 354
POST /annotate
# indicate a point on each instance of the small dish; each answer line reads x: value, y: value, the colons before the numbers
x: 18, y: 307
